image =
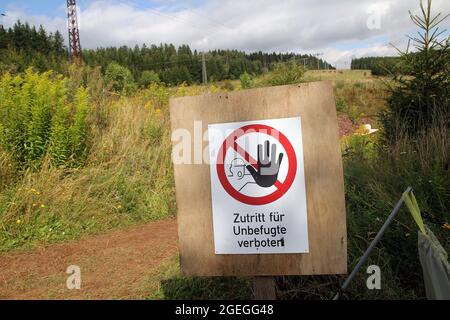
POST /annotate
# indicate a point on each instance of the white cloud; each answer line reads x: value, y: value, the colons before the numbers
x: 251, y: 25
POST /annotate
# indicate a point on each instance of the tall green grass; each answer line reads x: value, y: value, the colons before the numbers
x: 39, y: 118
x: 375, y: 178
x: 77, y: 165
x: 125, y: 178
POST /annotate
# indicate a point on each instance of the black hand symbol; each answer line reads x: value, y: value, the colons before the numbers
x: 268, y: 168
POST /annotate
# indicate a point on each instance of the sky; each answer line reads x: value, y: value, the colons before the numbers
x: 340, y: 29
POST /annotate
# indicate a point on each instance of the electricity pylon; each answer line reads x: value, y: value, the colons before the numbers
x: 74, y: 32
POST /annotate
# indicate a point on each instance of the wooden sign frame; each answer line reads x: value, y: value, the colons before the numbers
x: 314, y: 103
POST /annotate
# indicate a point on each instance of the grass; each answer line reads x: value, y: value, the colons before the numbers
x: 358, y: 99
x: 338, y: 75
x: 128, y: 179
x: 374, y: 181
x: 169, y: 284
x: 375, y: 178
x: 358, y: 94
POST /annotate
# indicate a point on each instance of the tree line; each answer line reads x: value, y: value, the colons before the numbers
x: 380, y: 66
x: 177, y: 65
x: 22, y: 46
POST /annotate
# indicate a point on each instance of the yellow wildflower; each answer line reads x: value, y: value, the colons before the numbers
x: 18, y: 221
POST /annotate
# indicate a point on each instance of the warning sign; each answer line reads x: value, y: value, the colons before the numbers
x: 258, y: 187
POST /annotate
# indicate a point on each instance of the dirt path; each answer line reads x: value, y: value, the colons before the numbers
x: 113, y: 266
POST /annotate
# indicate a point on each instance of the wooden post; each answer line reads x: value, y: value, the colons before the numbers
x: 264, y: 288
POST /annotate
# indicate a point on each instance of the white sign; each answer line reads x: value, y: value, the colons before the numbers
x: 258, y: 187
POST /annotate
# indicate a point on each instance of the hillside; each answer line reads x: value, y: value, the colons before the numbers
x: 86, y: 173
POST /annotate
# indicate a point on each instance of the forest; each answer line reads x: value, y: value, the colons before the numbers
x: 380, y: 66
x: 23, y: 45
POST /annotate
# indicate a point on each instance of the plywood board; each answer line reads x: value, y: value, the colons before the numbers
x: 314, y: 103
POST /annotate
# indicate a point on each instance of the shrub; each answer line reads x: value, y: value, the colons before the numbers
x: 375, y: 178
x: 39, y: 117
x: 119, y: 79
x: 128, y: 157
x: 341, y: 105
x: 421, y: 99
x: 148, y: 77
x: 359, y: 146
x: 246, y: 81
x: 69, y: 131
x: 286, y: 73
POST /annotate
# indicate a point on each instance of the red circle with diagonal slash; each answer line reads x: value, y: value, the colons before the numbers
x: 282, y: 188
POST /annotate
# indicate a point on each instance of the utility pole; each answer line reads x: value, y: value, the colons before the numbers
x: 74, y: 32
x: 317, y: 55
x: 204, y: 71
x: 304, y: 62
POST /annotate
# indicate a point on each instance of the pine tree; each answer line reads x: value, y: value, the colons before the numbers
x: 58, y: 46
x: 420, y: 100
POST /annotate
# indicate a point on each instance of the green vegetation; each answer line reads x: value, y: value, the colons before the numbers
x: 119, y: 79
x: 375, y: 177
x: 338, y: 75
x: 376, y: 174
x: 38, y: 118
x: 128, y: 154
x: 177, y: 65
x: 379, y: 66
x: 246, y: 81
x: 421, y: 100
x: 23, y: 46
x: 359, y: 99
x: 82, y: 163
x: 73, y: 164
x: 286, y: 73
x: 147, y: 78
x: 169, y: 284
